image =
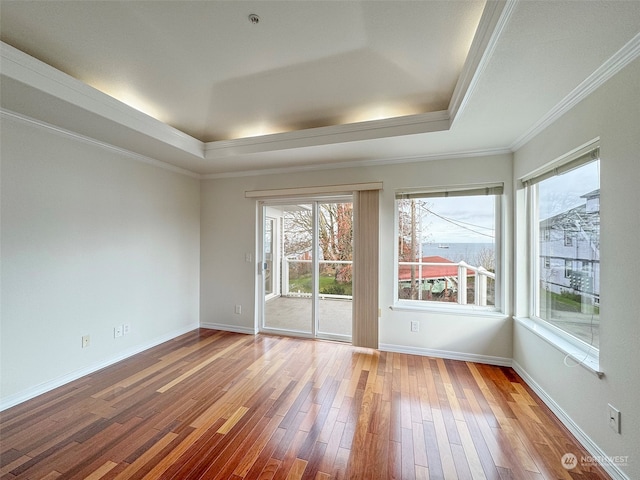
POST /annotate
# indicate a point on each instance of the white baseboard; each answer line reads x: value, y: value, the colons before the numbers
x: 591, y: 447
x: 45, y: 387
x: 229, y: 328
x: 429, y: 352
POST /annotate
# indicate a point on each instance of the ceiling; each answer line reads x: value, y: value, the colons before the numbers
x: 198, y: 86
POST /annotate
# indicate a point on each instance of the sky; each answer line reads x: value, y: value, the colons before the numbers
x: 475, y: 215
x: 459, y: 219
x: 561, y: 193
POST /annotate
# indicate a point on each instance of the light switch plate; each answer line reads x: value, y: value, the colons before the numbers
x: 614, y: 418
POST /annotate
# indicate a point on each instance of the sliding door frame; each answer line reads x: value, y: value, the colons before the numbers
x: 314, y: 201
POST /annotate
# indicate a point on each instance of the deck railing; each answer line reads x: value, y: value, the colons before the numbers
x: 458, y: 281
x: 428, y: 288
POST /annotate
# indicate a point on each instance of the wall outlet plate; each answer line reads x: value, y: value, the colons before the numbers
x: 85, y: 341
x: 415, y: 326
x: 126, y: 328
x: 117, y: 331
x: 614, y: 418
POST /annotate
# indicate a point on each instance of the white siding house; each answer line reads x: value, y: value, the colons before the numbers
x: 570, y: 250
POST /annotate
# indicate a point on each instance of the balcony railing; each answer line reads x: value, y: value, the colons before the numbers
x: 296, y: 278
x: 429, y: 287
x: 452, y: 287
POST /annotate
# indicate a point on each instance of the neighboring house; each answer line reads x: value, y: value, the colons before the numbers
x: 570, y: 249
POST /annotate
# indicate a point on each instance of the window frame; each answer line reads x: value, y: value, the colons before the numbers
x: 580, y: 351
x: 568, y: 238
x: 568, y: 268
x: 446, y: 307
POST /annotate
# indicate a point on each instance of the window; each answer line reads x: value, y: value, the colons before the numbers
x: 568, y: 268
x: 566, y: 200
x: 568, y: 238
x: 447, y: 249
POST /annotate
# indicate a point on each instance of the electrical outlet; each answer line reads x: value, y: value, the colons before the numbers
x: 614, y: 418
x: 238, y: 309
x: 126, y: 329
x: 415, y: 326
x: 117, y: 331
x: 85, y: 341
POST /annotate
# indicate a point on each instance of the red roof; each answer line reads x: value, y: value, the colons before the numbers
x: 431, y: 271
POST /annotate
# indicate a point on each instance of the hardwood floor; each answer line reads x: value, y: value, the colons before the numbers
x: 220, y: 405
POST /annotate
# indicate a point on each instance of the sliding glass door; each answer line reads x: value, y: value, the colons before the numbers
x: 335, y: 269
x: 290, y: 310
x: 306, y: 273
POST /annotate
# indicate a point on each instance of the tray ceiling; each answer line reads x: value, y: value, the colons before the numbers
x: 201, y: 87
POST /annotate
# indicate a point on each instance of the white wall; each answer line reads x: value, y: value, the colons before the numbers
x: 90, y: 239
x: 612, y: 113
x: 229, y: 232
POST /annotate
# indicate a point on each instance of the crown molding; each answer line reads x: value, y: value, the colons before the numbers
x: 36, y: 74
x: 494, y: 19
x: 623, y: 57
x: 349, y: 132
x: 19, y: 118
x: 360, y: 163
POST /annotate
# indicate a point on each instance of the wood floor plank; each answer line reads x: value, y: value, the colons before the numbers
x: 341, y: 464
x: 419, y: 447
x: 297, y: 469
x: 249, y: 456
x: 13, y: 464
x: 265, y: 456
x: 470, y: 452
x: 290, y: 460
x: 102, y: 471
x: 216, y: 405
x: 444, y: 447
x: 484, y: 455
x: 433, y: 453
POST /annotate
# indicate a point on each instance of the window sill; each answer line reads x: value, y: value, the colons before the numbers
x: 455, y: 309
x: 589, y: 358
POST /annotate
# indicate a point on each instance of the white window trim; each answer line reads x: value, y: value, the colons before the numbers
x: 446, y: 308
x: 580, y: 352
x: 456, y: 308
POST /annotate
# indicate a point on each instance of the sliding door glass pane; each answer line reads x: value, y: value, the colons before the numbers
x: 335, y: 244
x: 292, y: 310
